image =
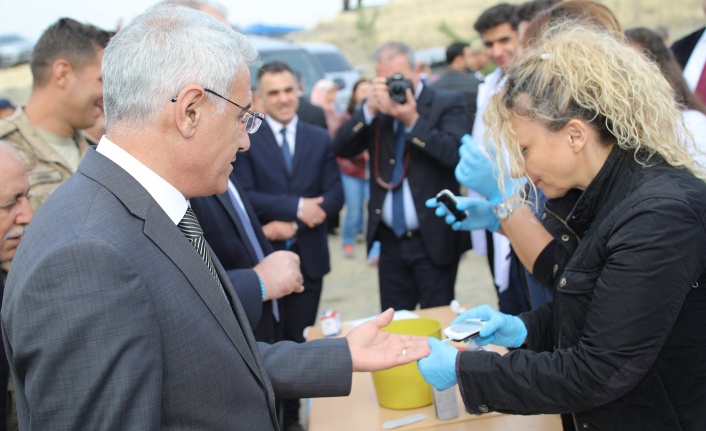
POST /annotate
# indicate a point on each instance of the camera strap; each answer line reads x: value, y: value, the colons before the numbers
x: 376, y: 167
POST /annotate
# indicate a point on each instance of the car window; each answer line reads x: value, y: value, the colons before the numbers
x: 296, y: 59
x: 333, y: 62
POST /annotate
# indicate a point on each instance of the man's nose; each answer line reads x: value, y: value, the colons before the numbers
x: 283, y: 97
x: 24, y: 212
x: 245, y: 142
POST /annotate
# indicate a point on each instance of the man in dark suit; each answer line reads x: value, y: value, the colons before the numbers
x: 690, y: 52
x: 116, y: 314
x: 413, y: 150
x: 259, y: 275
x: 461, y: 77
x: 313, y: 114
x: 307, y: 112
x: 291, y: 175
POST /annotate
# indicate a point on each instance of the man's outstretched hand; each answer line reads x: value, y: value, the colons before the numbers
x: 373, y: 349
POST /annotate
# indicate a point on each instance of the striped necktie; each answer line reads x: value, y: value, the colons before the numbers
x: 189, y: 224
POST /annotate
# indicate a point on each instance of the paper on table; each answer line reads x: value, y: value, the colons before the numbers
x: 399, y: 315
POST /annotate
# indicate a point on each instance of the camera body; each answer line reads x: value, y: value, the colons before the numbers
x: 397, y: 86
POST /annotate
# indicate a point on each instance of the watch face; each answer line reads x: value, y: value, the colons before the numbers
x: 501, y: 211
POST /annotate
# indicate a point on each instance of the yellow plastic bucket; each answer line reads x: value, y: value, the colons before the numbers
x: 403, y: 387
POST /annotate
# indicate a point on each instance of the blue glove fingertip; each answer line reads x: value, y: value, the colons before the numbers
x: 467, y: 140
x: 431, y: 203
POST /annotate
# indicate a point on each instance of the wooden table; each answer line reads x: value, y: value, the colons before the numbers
x: 360, y: 410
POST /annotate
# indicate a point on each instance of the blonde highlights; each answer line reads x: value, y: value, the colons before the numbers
x: 575, y: 71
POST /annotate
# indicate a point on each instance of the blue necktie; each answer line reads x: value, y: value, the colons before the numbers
x: 285, y: 150
x: 399, y: 226
x: 252, y: 237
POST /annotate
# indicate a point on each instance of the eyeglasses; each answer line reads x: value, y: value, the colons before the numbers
x: 251, y: 119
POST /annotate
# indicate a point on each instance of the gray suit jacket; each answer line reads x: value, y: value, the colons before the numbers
x: 111, y: 320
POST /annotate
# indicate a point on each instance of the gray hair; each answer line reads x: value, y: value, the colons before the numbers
x: 197, y: 4
x: 164, y: 50
x: 390, y: 49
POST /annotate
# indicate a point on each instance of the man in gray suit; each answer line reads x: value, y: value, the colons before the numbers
x: 116, y: 314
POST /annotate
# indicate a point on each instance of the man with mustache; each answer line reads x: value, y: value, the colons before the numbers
x: 15, y: 214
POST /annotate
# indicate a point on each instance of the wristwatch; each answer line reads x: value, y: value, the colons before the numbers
x: 504, y: 210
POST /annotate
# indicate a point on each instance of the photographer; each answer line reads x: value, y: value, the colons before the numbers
x: 412, y: 134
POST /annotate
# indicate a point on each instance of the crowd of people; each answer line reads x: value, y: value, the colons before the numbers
x: 165, y: 226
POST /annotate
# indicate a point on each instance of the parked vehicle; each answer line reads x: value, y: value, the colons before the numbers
x: 14, y: 49
x: 337, y: 69
x: 294, y: 56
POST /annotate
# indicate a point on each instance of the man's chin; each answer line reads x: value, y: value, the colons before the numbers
x: 7, y: 253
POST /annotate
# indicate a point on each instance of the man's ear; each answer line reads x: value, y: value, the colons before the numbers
x: 188, y: 109
x: 577, y: 131
x: 61, y: 72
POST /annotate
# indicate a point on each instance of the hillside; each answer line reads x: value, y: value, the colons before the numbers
x: 429, y: 23
x: 425, y: 24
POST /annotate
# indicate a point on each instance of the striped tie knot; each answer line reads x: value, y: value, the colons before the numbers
x: 191, y: 228
x: 189, y: 224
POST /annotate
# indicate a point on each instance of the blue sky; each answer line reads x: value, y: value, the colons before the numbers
x: 30, y: 17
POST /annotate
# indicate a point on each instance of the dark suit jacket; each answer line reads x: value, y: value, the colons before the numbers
x: 225, y: 234
x: 111, y: 320
x: 433, y: 144
x: 464, y: 83
x: 683, y: 47
x: 311, y: 114
x: 275, y: 194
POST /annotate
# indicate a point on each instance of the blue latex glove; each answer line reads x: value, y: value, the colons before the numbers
x: 439, y: 368
x: 478, y: 172
x: 501, y: 329
x: 480, y: 214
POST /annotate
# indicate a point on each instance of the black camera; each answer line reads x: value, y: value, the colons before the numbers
x: 397, y: 85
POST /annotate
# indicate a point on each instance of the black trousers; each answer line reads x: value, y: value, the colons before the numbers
x: 298, y: 311
x: 408, y: 276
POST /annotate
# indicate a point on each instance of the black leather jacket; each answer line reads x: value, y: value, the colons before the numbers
x: 623, y: 345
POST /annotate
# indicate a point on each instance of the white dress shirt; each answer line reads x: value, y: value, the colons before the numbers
x: 291, y: 132
x: 167, y: 196
x: 695, y: 65
x: 501, y: 244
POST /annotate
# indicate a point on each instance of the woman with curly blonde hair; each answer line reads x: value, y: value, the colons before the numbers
x: 585, y: 118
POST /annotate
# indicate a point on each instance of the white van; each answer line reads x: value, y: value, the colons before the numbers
x: 294, y: 56
x: 336, y: 68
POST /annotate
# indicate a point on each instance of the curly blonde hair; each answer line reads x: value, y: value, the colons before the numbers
x: 576, y: 71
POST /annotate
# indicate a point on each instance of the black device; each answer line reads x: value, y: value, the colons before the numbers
x: 397, y: 86
x: 448, y: 200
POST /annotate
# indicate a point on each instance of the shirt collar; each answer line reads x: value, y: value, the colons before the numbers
x: 167, y: 196
x: 276, y: 126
